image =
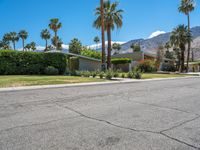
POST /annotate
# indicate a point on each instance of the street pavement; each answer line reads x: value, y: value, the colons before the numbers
x: 154, y: 115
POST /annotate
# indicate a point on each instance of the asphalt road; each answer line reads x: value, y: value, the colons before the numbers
x: 156, y: 115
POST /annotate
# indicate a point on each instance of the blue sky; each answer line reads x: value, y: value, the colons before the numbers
x: 141, y: 18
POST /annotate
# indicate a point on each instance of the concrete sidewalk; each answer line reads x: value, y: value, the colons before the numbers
x: 114, y: 81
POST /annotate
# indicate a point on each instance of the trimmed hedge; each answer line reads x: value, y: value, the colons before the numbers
x: 117, y: 61
x: 28, y: 63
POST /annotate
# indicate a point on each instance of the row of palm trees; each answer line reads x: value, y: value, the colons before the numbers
x: 181, y: 35
x: 14, y: 37
x: 108, y: 17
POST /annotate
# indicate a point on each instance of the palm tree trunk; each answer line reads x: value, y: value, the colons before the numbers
x: 109, y: 47
x: 46, y: 45
x: 23, y: 44
x: 56, y: 40
x: 189, y: 44
x: 13, y: 45
x: 102, y: 32
x: 182, y: 57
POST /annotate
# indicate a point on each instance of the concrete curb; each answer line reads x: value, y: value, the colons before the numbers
x: 88, y: 84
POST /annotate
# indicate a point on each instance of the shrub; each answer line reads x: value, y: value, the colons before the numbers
x: 168, y: 67
x: 28, y: 63
x: 117, y: 61
x: 101, y: 74
x: 116, y: 74
x: 147, y: 66
x: 130, y: 75
x: 123, y: 75
x: 86, y: 74
x: 94, y: 74
x: 50, y: 70
x: 109, y: 74
x: 73, y: 64
x: 137, y: 73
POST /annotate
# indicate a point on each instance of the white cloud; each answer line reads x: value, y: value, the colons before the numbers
x: 95, y: 46
x: 154, y: 34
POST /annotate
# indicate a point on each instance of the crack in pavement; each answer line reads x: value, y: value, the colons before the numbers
x: 185, y: 122
x: 176, y: 109
x: 126, y: 128
x: 37, y: 124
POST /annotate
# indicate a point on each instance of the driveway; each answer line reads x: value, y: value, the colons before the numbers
x: 156, y: 115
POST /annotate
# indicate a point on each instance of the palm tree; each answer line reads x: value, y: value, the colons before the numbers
x: 102, y: 33
x: 7, y: 39
x: 33, y: 46
x: 55, y: 25
x: 23, y: 35
x: 112, y: 19
x: 117, y: 47
x: 186, y: 7
x: 28, y: 47
x: 45, y: 34
x: 14, y: 38
x: 96, y: 40
x: 179, y: 38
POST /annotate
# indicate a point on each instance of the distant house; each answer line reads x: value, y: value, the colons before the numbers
x: 87, y: 63
x: 194, y: 66
x: 136, y: 57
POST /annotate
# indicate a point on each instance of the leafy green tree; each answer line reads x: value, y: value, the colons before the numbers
x: 116, y: 47
x: 45, y: 35
x: 112, y: 19
x: 75, y: 46
x: 186, y: 7
x: 55, y: 25
x: 23, y: 35
x: 136, y: 47
x: 58, y: 44
x: 90, y: 53
x: 14, y: 38
x: 179, y: 38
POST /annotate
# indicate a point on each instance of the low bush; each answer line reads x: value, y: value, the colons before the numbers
x: 51, y: 71
x: 123, y: 75
x: 168, y: 67
x: 109, y: 74
x: 130, y: 75
x: 117, y: 61
x: 29, y: 63
x: 101, y: 75
x: 147, y: 66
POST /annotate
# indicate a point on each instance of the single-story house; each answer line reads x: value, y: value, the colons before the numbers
x: 194, y: 66
x: 87, y: 63
x: 137, y: 57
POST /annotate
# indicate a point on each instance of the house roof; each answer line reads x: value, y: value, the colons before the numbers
x: 84, y: 57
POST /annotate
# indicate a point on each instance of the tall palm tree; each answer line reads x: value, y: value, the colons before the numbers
x: 102, y: 32
x: 186, y: 7
x: 179, y: 38
x: 45, y: 34
x: 112, y: 19
x: 55, y: 25
x: 96, y: 40
x: 7, y: 39
x: 23, y: 35
x: 14, y: 38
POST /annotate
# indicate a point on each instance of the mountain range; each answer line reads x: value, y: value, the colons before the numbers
x: 151, y: 45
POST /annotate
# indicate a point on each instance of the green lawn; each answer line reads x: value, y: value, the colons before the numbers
x: 16, y: 81
x: 153, y: 75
